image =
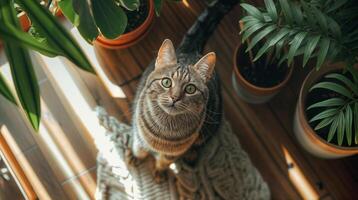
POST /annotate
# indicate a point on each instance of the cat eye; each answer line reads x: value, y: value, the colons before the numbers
x: 190, y: 89
x: 166, y: 82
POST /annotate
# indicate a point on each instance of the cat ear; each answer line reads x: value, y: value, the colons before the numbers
x: 166, y: 55
x: 205, y: 66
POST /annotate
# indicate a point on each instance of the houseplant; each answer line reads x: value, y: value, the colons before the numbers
x: 124, y: 23
x: 53, y: 40
x: 259, y: 73
x: 325, y: 31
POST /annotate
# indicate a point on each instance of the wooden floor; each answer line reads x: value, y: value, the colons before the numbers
x: 265, y: 131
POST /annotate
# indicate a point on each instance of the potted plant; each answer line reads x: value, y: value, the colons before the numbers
x: 124, y: 23
x: 138, y: 24
x: 259, y: 72
x: 326, y: 118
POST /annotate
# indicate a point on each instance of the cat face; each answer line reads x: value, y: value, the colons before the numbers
x: 179, y: 89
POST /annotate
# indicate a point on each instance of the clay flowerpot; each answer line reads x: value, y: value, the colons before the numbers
x: 305, y: 134
x: 130, y: 38
x: 248, y: 91
x: 24, y: 21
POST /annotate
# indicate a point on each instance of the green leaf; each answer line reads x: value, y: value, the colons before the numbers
x: 68, y: 10
x: 324, y: 46
x: 295, y: 44
x: 130, y: 4
x: 356, y: 122
x: 85, y: 24
x: 285, y: 6
x: 262, y: 51
x: 21, y: 69
x: 278, y: 36
x: 324, y: 114
x: 344, y: 80
x: 310, y: 47
x: 249, y: 18
x: 336, y: 5
x: 5, y: 90
x: 251, y: 30
x: 259, y: 36
x: 340, y: 129
x: 56, y: 34
x: 253, y: 11
x: 334, y: 27
x: 11, y: 34
x: 325, y: 122
x: 332, y: 129
x: 247, y: 25
x: 348, y: 124
x: 104, y: 13
x: 157, y: 6
x: 321, y: 19
x: 328, y: 103
x: 271, y: 9
x: 333, y: 87
x: 297, y: 13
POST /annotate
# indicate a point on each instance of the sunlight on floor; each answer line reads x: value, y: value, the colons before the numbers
x: 113, y: 89
x: 298, y: 179
x: 26, y: 166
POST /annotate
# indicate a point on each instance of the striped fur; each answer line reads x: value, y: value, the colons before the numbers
x: 168, y: 132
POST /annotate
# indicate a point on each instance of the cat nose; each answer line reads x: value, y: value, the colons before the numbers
x: 174, y: 99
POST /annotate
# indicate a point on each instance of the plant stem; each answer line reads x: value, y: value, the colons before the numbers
x: 49, y: 4
x: 241, y: 23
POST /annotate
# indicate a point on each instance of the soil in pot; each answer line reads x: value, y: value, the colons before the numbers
x: 137, y: 17
x: 262, y: 75
x: 318, y: 95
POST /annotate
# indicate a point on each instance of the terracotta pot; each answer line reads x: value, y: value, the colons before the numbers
x: 24, y: 21
x: 306, y: 136
x: 129, y: 39
x: 249, y: 92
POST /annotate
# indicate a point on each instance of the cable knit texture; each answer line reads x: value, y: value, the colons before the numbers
x: 223, y: 171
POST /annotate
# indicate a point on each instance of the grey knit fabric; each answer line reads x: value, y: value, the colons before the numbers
x: 223, y: 171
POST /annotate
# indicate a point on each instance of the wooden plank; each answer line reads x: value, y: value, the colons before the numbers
x: 82, y: 186
x: 14, y: 166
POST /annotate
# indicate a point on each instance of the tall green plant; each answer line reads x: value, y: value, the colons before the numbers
x: 340, y: 113
x: 325, y: 30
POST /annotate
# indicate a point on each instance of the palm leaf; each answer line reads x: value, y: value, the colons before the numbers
x: 310, y: 47
x: 253, y: 11
x: 340, y: 128
x: 324, y: 114
x: 251, y: 30
x: 295, y: 44
x: 332, y: 129
x: 259, y: 36
x: 271, y: 9
x: 328, y: 103
x: 344, y: 80
x: 356, y: 122
x: 348, y: 124
x: 333, y: 87
x: 322, y: 52
x: 325, y: 122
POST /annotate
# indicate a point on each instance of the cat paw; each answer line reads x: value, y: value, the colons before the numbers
x: 160, y: 176
x: 130, y: 159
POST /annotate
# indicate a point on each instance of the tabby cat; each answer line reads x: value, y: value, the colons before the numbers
x: 177, y: 106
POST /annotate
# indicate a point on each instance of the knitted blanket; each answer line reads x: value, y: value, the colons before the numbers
x: 223, y: 171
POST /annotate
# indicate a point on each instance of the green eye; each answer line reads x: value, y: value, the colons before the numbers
x: 190, y: 89
x: 166, y: 82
